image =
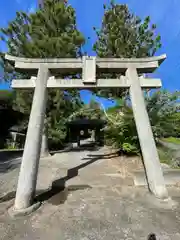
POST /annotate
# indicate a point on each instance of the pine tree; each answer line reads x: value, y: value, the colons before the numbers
x: 47, y: 33
x: 124, y: 35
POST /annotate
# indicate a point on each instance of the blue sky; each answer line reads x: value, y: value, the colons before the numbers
x: 165, y: 13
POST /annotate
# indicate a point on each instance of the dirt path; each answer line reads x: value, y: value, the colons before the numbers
x: 98, y: 202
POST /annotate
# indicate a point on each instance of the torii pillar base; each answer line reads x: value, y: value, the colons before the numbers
x: 13, y: 212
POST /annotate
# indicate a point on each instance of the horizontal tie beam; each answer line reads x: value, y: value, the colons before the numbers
x: 80, y: 84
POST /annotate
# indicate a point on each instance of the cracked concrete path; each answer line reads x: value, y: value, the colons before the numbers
x: 98, y: 202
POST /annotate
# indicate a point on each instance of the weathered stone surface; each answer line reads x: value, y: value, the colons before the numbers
x: 23, y: 212
x: 30, y: 160
x: 89, y: 69
x: 78, y: 83
x: 171, y: 177
x: 96, y: 204
x: 148, y: 147
x: 143, y: 65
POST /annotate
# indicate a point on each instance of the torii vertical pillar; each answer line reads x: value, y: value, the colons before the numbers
x: 148, y: 147
x: 30, y: 160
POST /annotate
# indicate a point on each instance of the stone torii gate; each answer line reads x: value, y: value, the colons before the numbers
x: 45, y: 70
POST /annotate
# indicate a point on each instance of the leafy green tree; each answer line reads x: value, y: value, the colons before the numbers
x: 88, y: 111
x: 47, y: 33
x: 163, y: 109
x: 124, y: 35
x: 6, y: 98
x: 120, y: 131
x: 175, y: 119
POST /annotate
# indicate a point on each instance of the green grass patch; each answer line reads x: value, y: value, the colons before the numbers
x: 172, y: 140
x: 165, y: 155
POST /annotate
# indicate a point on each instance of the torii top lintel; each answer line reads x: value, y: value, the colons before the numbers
x: 118, y: 65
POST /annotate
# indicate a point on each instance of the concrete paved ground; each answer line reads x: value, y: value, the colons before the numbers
x: 99, y: 201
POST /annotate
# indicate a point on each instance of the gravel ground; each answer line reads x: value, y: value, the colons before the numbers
x: 99, y: 201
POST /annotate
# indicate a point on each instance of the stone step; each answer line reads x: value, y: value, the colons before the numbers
x: 171, y: 176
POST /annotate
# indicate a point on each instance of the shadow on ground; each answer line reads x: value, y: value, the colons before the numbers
x: 89, y: 146
x: 59, y: 185
x: 10, y: 160
x: 9, y: 165
x: 55, y: 196
x: 101, y: 156
x: 58, y: 192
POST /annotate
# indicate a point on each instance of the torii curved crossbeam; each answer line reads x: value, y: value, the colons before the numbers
x: 143, y: 65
